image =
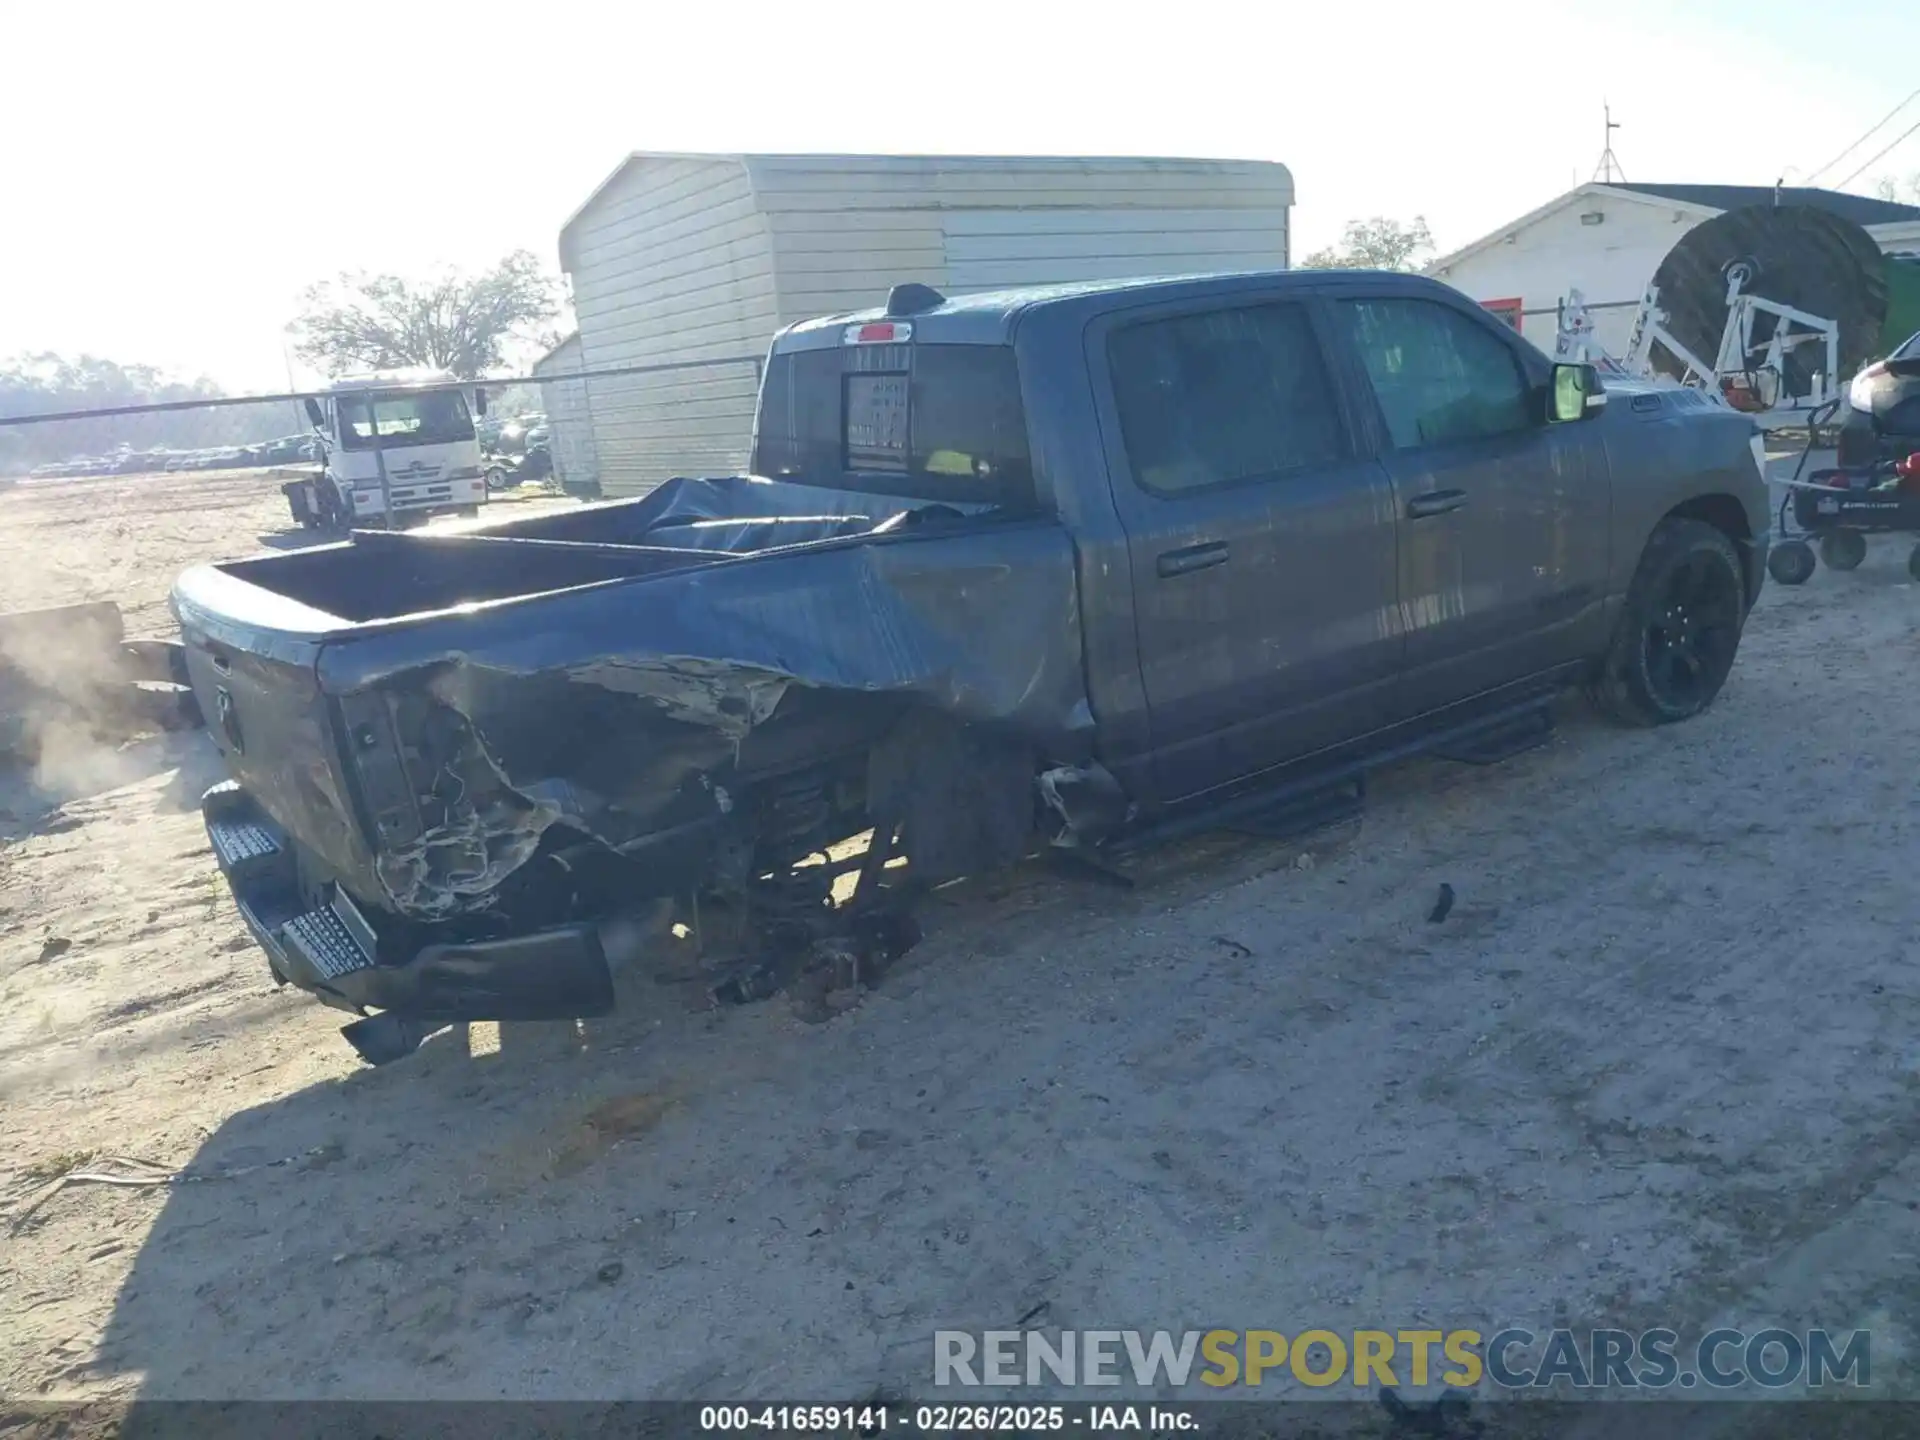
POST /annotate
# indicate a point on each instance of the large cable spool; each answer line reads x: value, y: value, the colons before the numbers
x: 1790, y: 254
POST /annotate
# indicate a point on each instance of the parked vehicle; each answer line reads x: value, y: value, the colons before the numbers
x: 534, y: 464
x: 140, y: 462
x: 428, y: 451
x: 1882, y: 422
x: 1069, y: 570
x: 287, y: 450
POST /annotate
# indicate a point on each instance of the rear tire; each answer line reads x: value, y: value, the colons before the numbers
x: 1843, y: 549
x: 1679, y: 630
x: 1913, y: 562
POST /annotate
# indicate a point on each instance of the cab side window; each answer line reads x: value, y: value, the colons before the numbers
x: 1440, y: 377
x: 1224, y: 396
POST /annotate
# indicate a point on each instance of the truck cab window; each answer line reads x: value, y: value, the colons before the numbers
x: 428, y: 417
x: 1224, y: 396
x: 1440, y: 377
x: 930, y: 422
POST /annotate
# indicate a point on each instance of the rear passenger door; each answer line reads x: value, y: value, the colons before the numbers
x: 1503, y: 559
x: 1261, y: 543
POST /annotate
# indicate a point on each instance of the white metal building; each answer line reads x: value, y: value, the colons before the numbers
x: 702, y: 258
x: 569, y: 417
x: 1607, y: 240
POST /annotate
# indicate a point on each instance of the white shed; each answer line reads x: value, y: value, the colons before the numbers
x: 1606, y: 241
x: 569, y: 415
x: 696, y: 261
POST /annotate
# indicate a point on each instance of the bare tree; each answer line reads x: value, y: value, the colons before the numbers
x: 1376, y: 244
x: 1905, y: 192
x: 452, y: 321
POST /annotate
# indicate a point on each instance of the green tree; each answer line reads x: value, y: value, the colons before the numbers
x: 465, y: 323
x: 1376, y: 244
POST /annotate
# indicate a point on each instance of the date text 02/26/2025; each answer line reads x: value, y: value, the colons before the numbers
x: 946, y: 1419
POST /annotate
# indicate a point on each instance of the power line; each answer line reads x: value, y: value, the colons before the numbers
x: 1902, y: 136
x: 1862, y: 140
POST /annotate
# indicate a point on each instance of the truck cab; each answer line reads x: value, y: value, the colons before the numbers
x: 400, y: 447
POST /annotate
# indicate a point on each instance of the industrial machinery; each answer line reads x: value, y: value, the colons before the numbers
x: 1770, y: 308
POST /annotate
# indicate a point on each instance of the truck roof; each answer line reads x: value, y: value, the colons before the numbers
x: 414, y: 377
x: 989, y: 318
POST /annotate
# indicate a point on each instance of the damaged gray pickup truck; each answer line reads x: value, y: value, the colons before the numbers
x: 1053, y: 571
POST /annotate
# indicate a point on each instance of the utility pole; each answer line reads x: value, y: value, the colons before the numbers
x: 1609, y: 169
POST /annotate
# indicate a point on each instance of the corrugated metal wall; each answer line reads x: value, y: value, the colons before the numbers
x: 569, y: 418
x: 989, y: 249
x: 700, y: 257
x: 846, y: 227
x: 671, y: 263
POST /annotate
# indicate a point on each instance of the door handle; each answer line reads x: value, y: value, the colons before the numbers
x: 1436, y: 502
x: 1192, y: 558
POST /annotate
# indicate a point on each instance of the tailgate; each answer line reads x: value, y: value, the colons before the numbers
x: 253, y: 673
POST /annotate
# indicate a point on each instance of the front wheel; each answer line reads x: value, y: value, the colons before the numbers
x: 496, y: 478
x: 1679, y: 630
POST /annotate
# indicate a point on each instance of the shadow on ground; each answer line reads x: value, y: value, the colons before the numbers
x: 297, y: 539
x: 448, y: 1224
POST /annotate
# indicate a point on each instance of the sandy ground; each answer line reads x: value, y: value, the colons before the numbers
x: 1659, y: 1065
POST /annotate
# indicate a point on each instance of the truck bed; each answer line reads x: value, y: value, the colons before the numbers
x: 380, y: 575
x: 422, y: 714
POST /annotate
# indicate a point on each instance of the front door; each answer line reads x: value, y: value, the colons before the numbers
x: 1261, y: 543
x: 1504, y: 516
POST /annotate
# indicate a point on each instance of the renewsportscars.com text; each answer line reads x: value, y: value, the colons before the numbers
x: 1655, y: 1359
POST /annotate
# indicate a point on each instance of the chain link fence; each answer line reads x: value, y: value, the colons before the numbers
x: 229, y: 437
x: 591, y: 432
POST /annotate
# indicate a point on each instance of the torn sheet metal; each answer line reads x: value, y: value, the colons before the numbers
x: 630, y: 697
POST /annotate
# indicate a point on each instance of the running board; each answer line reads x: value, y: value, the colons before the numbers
x: 1516, y: 735
x: 1298, y: 815
x: 1335, y: 791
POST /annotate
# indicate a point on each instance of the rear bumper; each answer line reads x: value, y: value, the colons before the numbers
x: 335, y: 953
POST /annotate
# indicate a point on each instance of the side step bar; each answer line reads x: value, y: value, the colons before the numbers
x: 1332, y: 793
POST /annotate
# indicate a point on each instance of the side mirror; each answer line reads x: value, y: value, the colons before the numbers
x: 1577, y: 393
x: 479, y: 401
x: 313, y: 413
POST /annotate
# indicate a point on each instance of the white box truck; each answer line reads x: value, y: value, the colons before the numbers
x: 400, y: 448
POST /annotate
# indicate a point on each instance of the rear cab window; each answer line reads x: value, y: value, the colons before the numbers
x: 917, y: 420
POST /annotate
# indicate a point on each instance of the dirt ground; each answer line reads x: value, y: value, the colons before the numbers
x: 1658, y: 1066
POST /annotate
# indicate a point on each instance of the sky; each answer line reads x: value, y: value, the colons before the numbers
x: 175, y: 175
